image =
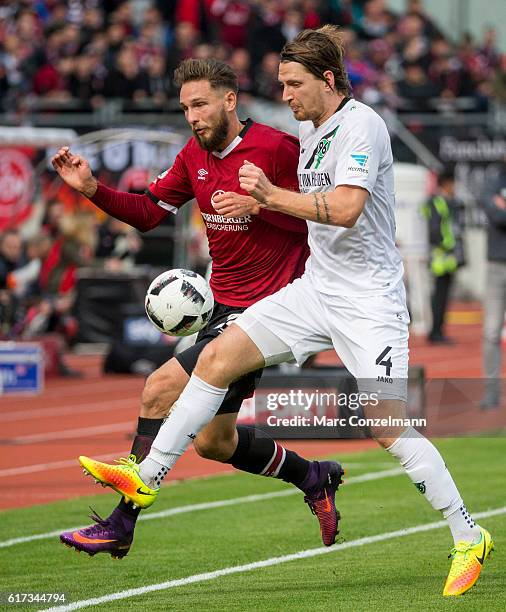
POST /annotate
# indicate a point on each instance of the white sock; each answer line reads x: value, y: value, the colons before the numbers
x: 462, y: 526
x: 195, y: 408
x: 426, y: 468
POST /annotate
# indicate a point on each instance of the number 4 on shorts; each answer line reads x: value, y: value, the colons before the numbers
x: 380, y: 360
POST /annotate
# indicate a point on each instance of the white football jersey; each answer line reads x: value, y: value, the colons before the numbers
x: 352, y: 148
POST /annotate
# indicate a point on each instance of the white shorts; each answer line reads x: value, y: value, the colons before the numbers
x: 370, y: 334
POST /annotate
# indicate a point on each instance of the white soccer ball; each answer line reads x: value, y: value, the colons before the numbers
x: 179, y: 302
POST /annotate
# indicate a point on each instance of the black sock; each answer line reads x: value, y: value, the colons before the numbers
x: 147, y: 430
x: 257, y: 453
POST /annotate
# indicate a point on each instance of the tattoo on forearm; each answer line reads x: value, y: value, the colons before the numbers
x: 317, y: 206
x: 327, y: 214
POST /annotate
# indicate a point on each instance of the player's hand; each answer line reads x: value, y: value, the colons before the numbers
x: 500, y: 202
x: 231, y: 204
x: 75, y: 171
x: 253, y: 180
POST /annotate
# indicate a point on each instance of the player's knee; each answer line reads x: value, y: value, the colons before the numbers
x: 158, y: 395
x: 214, y: 362
x: 214, y: 448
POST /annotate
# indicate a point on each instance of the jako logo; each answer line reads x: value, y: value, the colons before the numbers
x: 202, y: 174
x: 361, y: 159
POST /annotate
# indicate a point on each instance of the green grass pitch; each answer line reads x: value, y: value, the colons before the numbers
x: 400, y: 573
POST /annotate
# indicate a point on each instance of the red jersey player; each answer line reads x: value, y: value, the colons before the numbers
x: 254, y: 253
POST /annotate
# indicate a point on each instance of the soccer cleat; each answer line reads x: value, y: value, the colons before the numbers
x: 112, y: 535
x: 123, y: 478
x: 321, y: 500
x: 467, y: 562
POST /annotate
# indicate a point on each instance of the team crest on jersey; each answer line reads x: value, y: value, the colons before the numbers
x: 321, y: 150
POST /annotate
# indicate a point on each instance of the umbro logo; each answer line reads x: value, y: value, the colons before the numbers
x: 360, y: 159
x: 202, y: 173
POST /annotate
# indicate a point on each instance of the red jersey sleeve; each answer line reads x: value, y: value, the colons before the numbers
x: 284, y: 175
x: 172, y: 188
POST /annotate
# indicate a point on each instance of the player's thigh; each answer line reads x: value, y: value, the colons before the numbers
x: 228, y: 357
x: 370, y: 335
x: 238, y: 390
x: 162, y: 389
x: 288, y: 325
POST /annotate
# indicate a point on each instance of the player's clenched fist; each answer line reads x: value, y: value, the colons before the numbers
x: 231, y: 204
x: 75, y: 171
x: 253, y: 180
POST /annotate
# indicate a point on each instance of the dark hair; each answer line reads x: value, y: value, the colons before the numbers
x: 217, y: 73
x: 445, y: 176
x: 319, y: 51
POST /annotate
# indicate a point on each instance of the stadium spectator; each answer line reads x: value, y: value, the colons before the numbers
x: 375, y: 21
x: 49, y: 307
x: 495, y: 290
x: 159, y: 85
x: 117, y: 245
x: 52, y: 218
x: 416, y: 89
x: 24, y: 279
x: 11, y: 258
x: 430, y: 30
x: 126, y: 80
x: 499, y: 80
x: 11, y: 255
x: 293, y: 23
x: 445, y: 222
x: 232, y: 18
x: 266, y: 78
x: 45, y: 49
x: 240, y: 62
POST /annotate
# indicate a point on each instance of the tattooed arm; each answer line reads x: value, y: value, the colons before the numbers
x: 341, y: 207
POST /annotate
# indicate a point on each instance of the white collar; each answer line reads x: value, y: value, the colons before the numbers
x: 221, y: 154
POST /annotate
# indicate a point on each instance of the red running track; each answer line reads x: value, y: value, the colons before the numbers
x: 96, y: 416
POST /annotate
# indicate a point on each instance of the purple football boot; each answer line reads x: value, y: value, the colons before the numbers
x: 320, y: 486
x: 112, y: 535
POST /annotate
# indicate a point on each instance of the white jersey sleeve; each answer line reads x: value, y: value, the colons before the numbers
x: 361, y: 149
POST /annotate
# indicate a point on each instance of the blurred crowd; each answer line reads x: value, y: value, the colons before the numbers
x: 85, y: 52
x: 38, y: 275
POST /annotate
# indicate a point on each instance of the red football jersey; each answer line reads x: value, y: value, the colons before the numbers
x: 255, y: 255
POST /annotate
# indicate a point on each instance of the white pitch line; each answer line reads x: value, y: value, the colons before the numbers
x: 70, y: 463
x: 66, y: 434
x: 206, y: 506
x: 54, y: 465
x: 248, y: 567
x: 74, y: 410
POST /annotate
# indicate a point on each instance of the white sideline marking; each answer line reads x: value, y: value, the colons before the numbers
x: 70, y: 388
x: 81, y: 432
x: 107, y: 406
x: 227, y: 571
x: 207, y: 506
x: 54, y: 465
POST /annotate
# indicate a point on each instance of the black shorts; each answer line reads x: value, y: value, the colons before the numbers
x: 240, y: 389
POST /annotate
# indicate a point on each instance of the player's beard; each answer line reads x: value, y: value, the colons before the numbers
x: 217, y: 134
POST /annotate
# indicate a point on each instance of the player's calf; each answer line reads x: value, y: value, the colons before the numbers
x: 162, y: 389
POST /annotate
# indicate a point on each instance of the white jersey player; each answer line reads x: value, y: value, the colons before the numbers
x: 351, y: 296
